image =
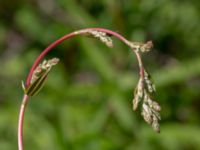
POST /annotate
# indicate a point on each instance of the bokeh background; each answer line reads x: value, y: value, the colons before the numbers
x: 86, y: 103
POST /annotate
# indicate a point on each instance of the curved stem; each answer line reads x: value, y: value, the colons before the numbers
x: 20, y: 122
x: 48, y: 49
x: 79, y: 32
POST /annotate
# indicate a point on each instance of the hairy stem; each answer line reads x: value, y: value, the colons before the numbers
x: 20, y: 122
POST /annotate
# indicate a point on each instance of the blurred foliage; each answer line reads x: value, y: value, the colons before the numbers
x: 86, y: 103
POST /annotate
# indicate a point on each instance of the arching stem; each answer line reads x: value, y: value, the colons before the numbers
x: 48, y: 49
x: 80, y: 32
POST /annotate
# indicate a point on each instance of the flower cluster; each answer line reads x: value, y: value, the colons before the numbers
x: 143, y: 47
x: 42, y: 68
x: 103, y: 37
x: 150, y: 109
x: 39, y: 76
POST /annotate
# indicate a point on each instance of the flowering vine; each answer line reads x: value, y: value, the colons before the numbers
x: 143, y: 92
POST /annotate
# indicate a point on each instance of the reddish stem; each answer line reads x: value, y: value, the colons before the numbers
x: 49, y: 48
x: 70, y: 35
x: 20, y: 122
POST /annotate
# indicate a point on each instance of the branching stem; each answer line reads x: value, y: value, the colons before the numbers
x: 79, y: 32
x: 49, y: 48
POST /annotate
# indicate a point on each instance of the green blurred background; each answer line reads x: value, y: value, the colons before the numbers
x: 86, y: 103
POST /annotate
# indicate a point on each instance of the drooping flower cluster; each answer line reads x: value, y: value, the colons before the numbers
x: 145, y: 87
x: 150, y: 109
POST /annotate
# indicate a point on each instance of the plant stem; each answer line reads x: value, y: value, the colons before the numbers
x: 20, y: 122
x: 81, y: 32
x: 49, y: 48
